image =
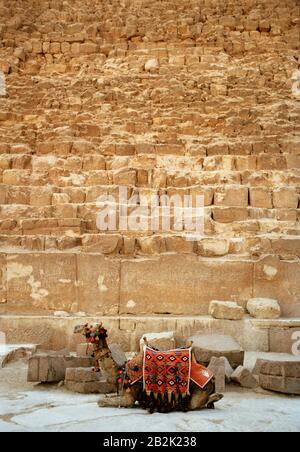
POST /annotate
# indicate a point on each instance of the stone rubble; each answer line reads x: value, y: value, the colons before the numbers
x: 264, y: 308
x: 244, y: 378
x: 85, y: 381
x: 217, y: 366
x: 226, y: 310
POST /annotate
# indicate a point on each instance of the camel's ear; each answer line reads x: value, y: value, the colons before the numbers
x: 145, y: 341
x: 189, y: 344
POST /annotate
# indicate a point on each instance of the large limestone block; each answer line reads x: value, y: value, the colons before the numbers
x: 82, y: 374
x: 101, y: 243
x: 280, y: 384
x: 215, y: 345
x: 286, y: 198
x: 229, y: 215
x: 281, y: 339
x: 213, y: 247
x: 217, y: 366
x: 41, y: 282
x: 52, y: 368
x: 98, y: 284
x: 226, y: 310
x: 167, y: 284
x: 280, y: 368
x: 264, y: 308
x: 162, y: 341
x: 224, y: 364
x: 278, y: 279
x: 91, y: 387
x: 287, y: 247
x: 261, y: 197
x: 232, y: 196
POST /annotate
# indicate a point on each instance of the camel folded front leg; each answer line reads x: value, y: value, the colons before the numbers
x: 214, y: 398
x: 116, y: 401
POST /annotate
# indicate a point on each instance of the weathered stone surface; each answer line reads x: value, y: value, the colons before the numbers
x: 162, y: 341
x: 213, y: 247
x: 226, y: 310
x: 282, y: 340
x: 40, y: 282
x: 264, y: 308
x: 257, y: 367
x: 151, y: 286
x: 280, y: 368
x: 84, y: 349
x: 152, y: 65
x: 170, y: 109
x: 285, y: 198
x: 61, y: 314
x: 222, y: 371
x: 91, y: 387
x: 207, y: 347
x: 98, y: 284
x: 82, y: 374
x: 48, y: 368
x: 285, y: 385
x: 244, y: 378
x: 278, y: 280
x: 233, y: 196
x: 86, y: 381
x: 261, y: 197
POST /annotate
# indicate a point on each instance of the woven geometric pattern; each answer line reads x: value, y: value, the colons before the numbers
x: 167, y: 372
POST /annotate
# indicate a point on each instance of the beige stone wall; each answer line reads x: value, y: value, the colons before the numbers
x: 56, y: 333
x: 165, y: 97
x: 179, y: 285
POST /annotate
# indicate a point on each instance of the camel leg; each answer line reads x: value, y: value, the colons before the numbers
x: 214, y: 398
x: 198, y: 399
x: 96, y: 368
x: 115, y: 401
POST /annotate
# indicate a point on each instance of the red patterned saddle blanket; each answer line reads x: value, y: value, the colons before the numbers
x: 168, y: 372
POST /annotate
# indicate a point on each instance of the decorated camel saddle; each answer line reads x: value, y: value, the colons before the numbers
x: 156, y: 380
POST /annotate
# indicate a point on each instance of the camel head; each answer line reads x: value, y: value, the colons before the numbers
x: 94, y: 334
x: 79, y: 329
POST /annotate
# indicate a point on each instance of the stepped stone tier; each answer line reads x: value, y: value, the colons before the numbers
x: 164, y: 97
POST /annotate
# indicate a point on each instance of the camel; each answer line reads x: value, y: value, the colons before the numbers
x: 130, y: 393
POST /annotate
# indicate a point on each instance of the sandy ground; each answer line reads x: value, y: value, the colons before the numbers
x: 29, y: 407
